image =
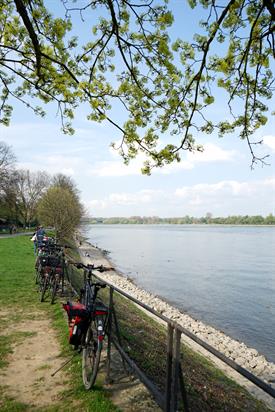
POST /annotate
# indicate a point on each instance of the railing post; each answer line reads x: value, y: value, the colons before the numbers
x: 63, y: 275
x: 176, y: 369
x: 67, y: 272
x: 110, y: 321
x: 170, y: 332
x: 183, y: 391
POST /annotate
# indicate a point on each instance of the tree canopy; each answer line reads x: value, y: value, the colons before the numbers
x: 26, y: 196
x: 163, y: 88
x: 60, y: 208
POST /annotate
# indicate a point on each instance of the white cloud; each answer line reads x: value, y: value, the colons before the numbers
x: 68, y: 165
x: 227, y: 187
x: 211, y: 153
x: 221, y: 198
x: 128, y: 199
x: 68, y: 171
x: 95, y: 204
x: 228, y: 193
x: 142, y: 198
x: 46, y: 138
x: 269, y: 141
x: 115, y: 168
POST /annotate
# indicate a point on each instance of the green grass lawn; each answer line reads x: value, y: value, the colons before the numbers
x: 20, y: 300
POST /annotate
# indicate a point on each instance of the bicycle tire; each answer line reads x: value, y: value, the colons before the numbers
x: 54, y: 287
x: 91, y: 357
x: 44, y: 287
x: 37, y: 277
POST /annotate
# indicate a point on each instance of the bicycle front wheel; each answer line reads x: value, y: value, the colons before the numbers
x: 44, y: 287
x: 91, y: 356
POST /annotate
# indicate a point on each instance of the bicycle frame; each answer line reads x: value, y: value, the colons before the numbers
x: 92, y: 303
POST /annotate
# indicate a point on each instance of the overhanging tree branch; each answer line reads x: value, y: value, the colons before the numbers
x: 24, y: 15
x: 163, y: 88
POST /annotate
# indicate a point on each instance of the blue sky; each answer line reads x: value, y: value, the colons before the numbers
x: 219, y: 180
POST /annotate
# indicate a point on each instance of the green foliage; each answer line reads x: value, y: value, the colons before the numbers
x: 186, y: 220
x: 60, y: 208
x: 129, y: 62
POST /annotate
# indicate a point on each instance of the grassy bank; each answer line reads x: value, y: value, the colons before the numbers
x: 19, y: 302
x: 208, y: 389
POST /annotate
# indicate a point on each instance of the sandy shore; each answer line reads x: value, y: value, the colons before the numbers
x: 243, y: 355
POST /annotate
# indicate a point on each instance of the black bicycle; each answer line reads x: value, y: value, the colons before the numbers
x: 50, y: 270
x: 89, y: 323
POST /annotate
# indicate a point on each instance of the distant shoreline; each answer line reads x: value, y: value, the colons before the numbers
x: 179, y: 224
x: 208, y: 219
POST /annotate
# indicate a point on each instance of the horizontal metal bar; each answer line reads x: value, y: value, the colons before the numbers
x: 159, y: 398
x: 250, y: 376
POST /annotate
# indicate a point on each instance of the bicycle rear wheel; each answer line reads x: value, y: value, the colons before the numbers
x: 91, y: 356
x: 54, y: 287
x: 44, y: 287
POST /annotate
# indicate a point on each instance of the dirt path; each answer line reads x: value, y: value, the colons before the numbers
x: 35, y: 354
x: 8, y: 235
x: 125, y: 390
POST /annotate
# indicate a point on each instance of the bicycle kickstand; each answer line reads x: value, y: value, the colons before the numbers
x: 64, y: 364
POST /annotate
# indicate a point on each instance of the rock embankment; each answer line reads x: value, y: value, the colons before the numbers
x: 244, y: 356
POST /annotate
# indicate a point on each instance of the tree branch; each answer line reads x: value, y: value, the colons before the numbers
x: 24, y: 15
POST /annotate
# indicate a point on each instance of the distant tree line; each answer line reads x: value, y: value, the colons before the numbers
x: 31, y: 198
x: 187, y: 220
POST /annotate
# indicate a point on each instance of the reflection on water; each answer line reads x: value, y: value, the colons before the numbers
x: 224, y: 276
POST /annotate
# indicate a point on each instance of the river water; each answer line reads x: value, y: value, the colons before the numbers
x: 222, y: 275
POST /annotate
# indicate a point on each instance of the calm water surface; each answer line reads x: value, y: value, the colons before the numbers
x: 224, y: 276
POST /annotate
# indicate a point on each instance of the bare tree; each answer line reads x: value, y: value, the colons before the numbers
x: 66, y: 182
x: 30, y: 188
x: 7, y: 161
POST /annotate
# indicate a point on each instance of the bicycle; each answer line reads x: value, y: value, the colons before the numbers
x: 89, y: 324
x: 44, y: 249
x: 50, y: 270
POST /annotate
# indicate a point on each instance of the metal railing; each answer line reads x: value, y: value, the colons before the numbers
x: 174, y: 385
